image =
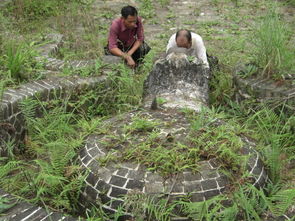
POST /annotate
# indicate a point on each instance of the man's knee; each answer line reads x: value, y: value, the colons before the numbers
x: 144, y: 48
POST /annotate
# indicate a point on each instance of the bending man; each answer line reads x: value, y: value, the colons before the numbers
x: 191, y: 41
x: 126, y: 37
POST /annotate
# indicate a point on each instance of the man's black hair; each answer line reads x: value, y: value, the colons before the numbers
x: 128, y: 10
x: 188, y: 34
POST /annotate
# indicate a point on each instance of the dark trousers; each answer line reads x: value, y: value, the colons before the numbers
x: 137, y: 56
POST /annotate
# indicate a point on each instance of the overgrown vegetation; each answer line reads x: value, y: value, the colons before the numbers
x: 246, y: 203
x: 45, y: 173
x: 208, y: 137
x: 274, y: 51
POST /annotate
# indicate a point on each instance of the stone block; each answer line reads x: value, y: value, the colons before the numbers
x: 136, y: 174
x: 153, y: 177
x: 222, y: 181
x: 135, y: 184
x: 197, y: 197
x: 154, y: 188
x: 190, y: 187
x: 209, y: 184
x: 122, y: 172
x: 91, y: 193
x: 207, y: 174
x: 117, y: 192
x: 211, y: 193
x: 118, y: 181
x: 190, y: 176
x: 92, y: 179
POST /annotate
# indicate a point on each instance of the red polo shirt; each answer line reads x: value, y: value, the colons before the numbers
x: 118, y: 31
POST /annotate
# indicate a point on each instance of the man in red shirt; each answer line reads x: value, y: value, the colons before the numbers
x: 126, y: 38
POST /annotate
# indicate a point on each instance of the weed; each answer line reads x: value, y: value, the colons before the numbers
x: 164, y: 2
x: 19, y: 62
x: 37, y: 9
x: 96, y: 213
x: 15, y: 59
x: 291, y: 2
x: 126, y: 88
x: 9, y: 148
x: 221, y: 86
x: 246, y: 203
x: 147, y: 207
x: 5, y: 81
x: 110, y: 156
x: 275, y: 136
x: 46, y: 176
x: 140, y: 124
x: 273, y: 53
x: 5, y: 204
x: 147, y: 9
x: 161, y: 100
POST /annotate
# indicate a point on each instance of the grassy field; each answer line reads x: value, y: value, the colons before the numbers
x: 260, y: 32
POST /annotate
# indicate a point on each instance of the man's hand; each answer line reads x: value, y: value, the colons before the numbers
x: 130, y: 61
x: 126, y: 56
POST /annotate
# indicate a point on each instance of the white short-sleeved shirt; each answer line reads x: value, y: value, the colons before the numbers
x: 197, y: 45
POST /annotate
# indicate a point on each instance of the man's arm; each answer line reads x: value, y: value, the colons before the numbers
x: 171, y: 43
x: 113, y: 47
x: 126, y: 56
x: 201, y: 49
x: 135, y: 46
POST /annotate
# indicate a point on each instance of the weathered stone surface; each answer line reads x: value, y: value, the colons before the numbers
x: 182, y: 83
x: 20, y: 210
x: 109, y: 59
x: 55, y: 41
x: 262, y: 89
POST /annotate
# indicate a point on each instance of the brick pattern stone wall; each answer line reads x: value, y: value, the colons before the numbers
x: 55, y: 42
x: 22, y: 211
x: 110, y: 184
x: 12, y: 125
x: 12, y: 122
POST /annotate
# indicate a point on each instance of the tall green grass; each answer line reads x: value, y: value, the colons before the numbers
x: 15, y: 60
x: 274, y: 52
x: 18, y: 60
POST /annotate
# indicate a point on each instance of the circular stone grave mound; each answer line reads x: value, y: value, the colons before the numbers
x: 55, y: 42
x: 109, y: 182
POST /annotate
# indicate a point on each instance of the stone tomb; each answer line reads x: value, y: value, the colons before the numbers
x: 182, y: 84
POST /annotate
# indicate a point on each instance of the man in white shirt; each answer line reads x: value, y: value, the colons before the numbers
x: 191, y: 41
